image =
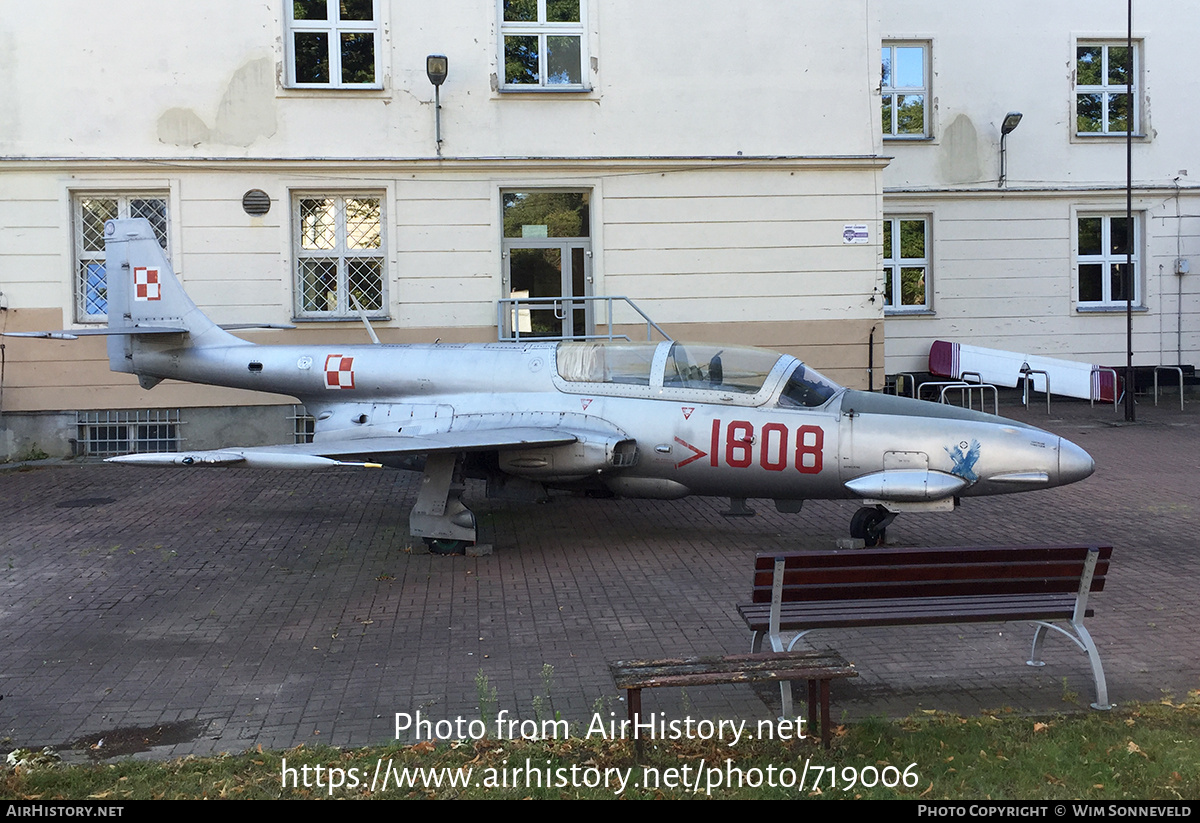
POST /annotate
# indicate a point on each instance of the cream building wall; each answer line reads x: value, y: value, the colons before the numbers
x: 1004, y: 262
x: 723, y: 153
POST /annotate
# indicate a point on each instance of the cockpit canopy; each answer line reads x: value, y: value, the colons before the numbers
x: 692, y: 367
x: 807, y: 387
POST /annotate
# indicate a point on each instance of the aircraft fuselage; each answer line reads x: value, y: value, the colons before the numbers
x: 690, y: 439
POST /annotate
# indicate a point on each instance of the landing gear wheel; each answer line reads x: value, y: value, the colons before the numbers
x: 442, y: 545
x: 869, y: 524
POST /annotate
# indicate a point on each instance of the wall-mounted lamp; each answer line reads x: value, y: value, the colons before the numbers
x: 436, y: 68
x: 1010, y: 122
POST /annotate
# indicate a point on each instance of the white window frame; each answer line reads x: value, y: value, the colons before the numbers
x: 88, y: 244
x: 894, y: 264
x: 542, y: 30
x: 1107, y: 91
x: 1106, y: 259
x: 890, y: 129
x: 342, y: 254
x: 333, y: 27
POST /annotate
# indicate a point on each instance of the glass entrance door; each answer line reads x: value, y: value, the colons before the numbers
x: 547, y: 262
x: 544, y: 279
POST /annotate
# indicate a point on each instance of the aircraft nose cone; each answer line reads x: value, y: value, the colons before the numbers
x: 1073, y: 462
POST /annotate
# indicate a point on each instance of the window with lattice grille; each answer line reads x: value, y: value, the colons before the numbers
x: 111, y: 433
x: 90, y: 213
x: 339, y: 256
x: 304, y: 425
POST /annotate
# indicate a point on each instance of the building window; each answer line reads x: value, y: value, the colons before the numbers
x: 1104, y: 278
x: 904, y: 87
x: 905, y: 264
x: 333, y: 44
x: 90, y: 213
x: 1102, y: 104
x: 339, y: 256
x: 111, y: 433
x: 547, y: 258
x: 304, y: 425
x: 542, y: 44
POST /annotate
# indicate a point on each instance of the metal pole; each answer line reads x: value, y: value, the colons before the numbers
x: 1130, y: 414
x: 1003, y: 159
x: 871, y: 361
x: 437, y: 116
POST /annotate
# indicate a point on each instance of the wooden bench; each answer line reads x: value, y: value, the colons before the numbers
x: 797, y: 593
x: 817, y: 667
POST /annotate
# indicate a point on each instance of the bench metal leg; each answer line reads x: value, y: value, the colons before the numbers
x: 1035, y: 655
x: 785, y: 699
x: 1082, y: 638
x: 1097, y: 669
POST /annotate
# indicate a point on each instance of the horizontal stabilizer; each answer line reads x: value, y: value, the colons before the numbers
x: 75, y: 334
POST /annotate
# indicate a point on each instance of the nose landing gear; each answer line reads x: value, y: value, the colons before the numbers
x: 870, y: 524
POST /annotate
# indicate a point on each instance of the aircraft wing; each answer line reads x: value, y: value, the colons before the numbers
x: 366, y: 450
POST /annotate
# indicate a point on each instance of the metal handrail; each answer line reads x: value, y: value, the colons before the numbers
x: 912, y: 382
x: 1094, y: 385
x: 936, y: 384
x: 965, y: 390
x: 1169, y: 368
x: 1026, y: 379
x: 508, y: 307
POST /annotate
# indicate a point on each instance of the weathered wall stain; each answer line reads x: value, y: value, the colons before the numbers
x: 958, y: 161
x: 182, y: 127
x: 245, y: 113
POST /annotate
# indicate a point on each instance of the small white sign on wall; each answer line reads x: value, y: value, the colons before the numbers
x: 855, y: 234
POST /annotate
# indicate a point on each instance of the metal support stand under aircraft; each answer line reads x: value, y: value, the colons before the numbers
x: 439, y: 517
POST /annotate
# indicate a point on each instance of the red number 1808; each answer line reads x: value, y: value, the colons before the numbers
x: 772, y: 443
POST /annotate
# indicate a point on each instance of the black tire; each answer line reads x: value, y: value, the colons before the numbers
x: 865, y: 526
x: 443, y: 545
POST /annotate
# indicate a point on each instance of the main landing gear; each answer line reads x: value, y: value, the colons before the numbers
x: 439, y: 517
x: 870, y: 524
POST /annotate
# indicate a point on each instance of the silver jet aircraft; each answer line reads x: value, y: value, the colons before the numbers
x: 647, y: 420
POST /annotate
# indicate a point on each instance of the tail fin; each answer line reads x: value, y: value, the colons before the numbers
x: 145, y: 299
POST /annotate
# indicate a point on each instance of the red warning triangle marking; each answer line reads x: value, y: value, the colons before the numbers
x: 586, y: 402
x: 687, y: 411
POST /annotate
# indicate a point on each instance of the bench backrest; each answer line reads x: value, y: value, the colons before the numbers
x: 857, y: 574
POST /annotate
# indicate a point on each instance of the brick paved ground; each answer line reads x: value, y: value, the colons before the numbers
x: 278, y: 608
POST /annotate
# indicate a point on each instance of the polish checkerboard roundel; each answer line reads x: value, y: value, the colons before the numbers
x: 145, y: 284
x: 339, y: 372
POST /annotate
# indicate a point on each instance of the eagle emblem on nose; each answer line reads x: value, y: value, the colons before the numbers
x: 964, y: 458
